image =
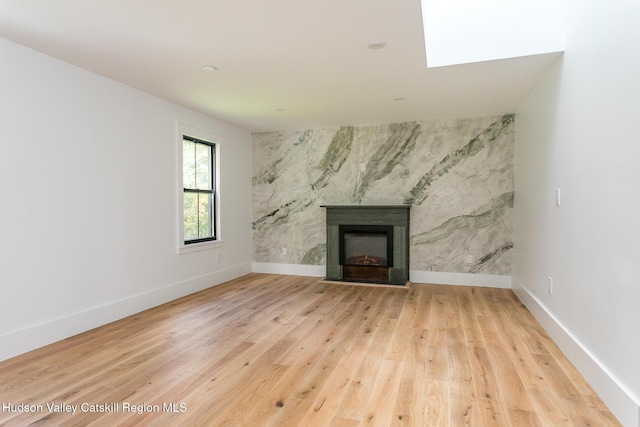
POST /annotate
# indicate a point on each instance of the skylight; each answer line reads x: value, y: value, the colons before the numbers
x: 465, y: 31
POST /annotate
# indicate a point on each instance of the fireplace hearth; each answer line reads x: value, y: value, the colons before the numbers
x: 368, y: 243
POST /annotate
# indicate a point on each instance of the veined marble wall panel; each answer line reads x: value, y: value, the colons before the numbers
x: 457, y: 174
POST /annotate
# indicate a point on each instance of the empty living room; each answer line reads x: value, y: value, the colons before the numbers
x: 415, y: 213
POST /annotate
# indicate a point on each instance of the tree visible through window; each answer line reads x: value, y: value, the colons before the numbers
x: 198, y: 160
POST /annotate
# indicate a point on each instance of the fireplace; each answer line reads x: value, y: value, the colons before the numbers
x: 366, y: 252
x: 368, y: 243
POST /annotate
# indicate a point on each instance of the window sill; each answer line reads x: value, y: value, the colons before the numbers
x: 203, y: 246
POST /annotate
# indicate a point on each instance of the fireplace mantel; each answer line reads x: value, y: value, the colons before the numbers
x: 396, y: 216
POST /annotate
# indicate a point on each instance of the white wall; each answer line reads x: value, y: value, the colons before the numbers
x: 88, y: 216
x: 578, y: 131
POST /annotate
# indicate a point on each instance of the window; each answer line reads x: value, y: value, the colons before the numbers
x: 198, y: 198
x: 198, y: 160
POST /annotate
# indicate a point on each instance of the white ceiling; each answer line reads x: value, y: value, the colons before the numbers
x: 308, y: 57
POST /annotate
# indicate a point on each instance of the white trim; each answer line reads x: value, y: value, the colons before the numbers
x: 621, y: 401
x: 290, y: 269
x: 35, y: 336
x: 182, y: 130
x: 203, y: 246
x: 463, y: 279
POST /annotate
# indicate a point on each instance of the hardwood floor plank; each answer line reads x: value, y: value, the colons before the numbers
x: 490, y: 401
x: 546, y: 408
x: 463, y: 405
x: 402, y: 334
x: 379, y: 409
x: 468, y: 317
x: 343, y: 422
x: 243, y: 398
x: 327, y: 403
x: 520, y: 418
x: 437, y: 363
x: 437, y: 407
x: 522, y: 360
x: 269, y: 350
x: 292, y: 412
x: 408, y: 408
x: 304, y: 357
x: 421, y: 400
x: 422, y: 318
x: 359, y: 390
x: 507, y: 378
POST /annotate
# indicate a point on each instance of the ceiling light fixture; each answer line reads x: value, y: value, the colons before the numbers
x: 208, y: 68
x: 377, y: 45
x: 399, y: 98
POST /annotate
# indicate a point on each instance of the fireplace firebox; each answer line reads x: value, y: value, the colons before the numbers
x: 368, y: 243
x: 366, y: 252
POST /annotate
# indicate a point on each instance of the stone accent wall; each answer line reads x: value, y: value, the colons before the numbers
x: 457, y: 174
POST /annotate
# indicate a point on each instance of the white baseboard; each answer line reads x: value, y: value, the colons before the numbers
x: 464, y: 279
x: 290, y: 269
x: 36, y: 336
x: 620, y: 401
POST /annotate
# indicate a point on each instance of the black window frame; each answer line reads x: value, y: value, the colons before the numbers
x: 211, y: 193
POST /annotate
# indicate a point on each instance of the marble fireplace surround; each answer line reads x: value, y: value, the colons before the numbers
x: 396, y: 216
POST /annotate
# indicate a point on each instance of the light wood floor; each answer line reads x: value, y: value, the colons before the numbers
x: 267, y: 350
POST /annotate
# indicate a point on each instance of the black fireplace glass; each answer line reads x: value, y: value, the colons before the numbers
x: 366, y: 245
